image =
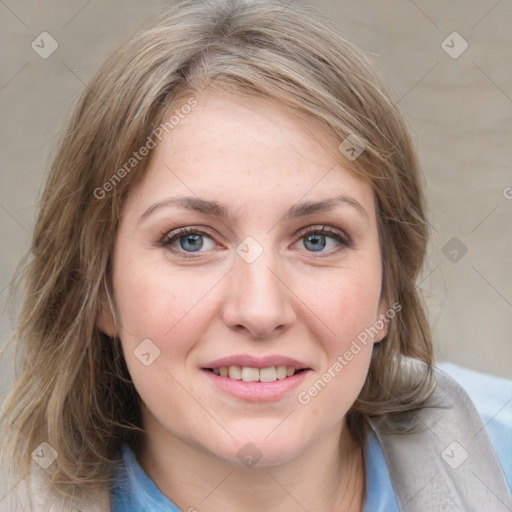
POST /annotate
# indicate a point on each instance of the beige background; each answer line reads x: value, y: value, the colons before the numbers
x: 460, y: 109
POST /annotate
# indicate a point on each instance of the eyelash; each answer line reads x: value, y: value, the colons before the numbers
x: 167, y: 239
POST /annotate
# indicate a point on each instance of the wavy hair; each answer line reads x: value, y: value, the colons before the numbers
x: 73, y: 389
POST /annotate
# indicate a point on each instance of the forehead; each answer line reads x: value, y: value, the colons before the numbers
x: 244, y: 154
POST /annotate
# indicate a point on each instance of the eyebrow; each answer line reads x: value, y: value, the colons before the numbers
x: 218, y: 210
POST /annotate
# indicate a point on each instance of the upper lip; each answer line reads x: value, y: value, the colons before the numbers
x: 256, y: 362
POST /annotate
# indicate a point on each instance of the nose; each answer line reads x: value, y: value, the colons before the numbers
x: 258, y: 300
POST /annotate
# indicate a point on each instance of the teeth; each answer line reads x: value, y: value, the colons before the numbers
x: 247, y: 374
x: 250, y: 374
x: 281, y: 372
x: 268, y: 374
x: 235, y: 372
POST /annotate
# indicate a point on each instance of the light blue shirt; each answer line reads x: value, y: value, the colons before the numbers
x: 134, y: 491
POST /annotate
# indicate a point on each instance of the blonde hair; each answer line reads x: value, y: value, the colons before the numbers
x: 74, y: 390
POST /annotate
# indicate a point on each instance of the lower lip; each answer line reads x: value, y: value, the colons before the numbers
x: 257, y: 391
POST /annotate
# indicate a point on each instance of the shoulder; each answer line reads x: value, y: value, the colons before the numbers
x: 491, y: 395
x: 492, y: 398
x: 21, y: 496
x: 447, y: 462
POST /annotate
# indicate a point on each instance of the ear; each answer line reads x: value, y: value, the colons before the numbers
x: 382, y: 321
x: 105, y: 317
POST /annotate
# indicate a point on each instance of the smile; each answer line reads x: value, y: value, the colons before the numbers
x: 256, y: 379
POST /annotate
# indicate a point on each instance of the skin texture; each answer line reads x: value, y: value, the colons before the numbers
x: 257, y: 161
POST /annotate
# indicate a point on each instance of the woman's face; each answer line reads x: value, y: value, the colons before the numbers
x: 246, y: 247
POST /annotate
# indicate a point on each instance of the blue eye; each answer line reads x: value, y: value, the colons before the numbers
x: 315, y: 242
x: 317, y: 239
x: 185, y: 241
x: 191, y: 243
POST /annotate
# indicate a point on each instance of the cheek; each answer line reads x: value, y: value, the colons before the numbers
x: 166, y: 305
x: 170, y: 311
x: 344, y: 304
x: 348, y: 311
x: 347, y: 353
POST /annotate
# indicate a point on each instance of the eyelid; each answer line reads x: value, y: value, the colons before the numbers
x: 166, y: 236
x: 326, y: 229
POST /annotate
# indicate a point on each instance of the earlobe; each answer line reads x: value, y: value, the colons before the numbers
x: 382, y: 322
x: 105, y: 319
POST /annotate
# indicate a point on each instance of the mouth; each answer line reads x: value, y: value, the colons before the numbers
x: 256, y: 379
x: 253, y: 374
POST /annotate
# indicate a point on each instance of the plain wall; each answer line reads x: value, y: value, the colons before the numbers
x: 460, y: 110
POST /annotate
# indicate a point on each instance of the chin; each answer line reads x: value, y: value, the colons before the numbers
x: 260, y: 450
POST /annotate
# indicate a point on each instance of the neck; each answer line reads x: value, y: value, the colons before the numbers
x: 327, y: 476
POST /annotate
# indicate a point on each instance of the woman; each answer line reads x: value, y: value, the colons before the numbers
x: 221, y: 310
